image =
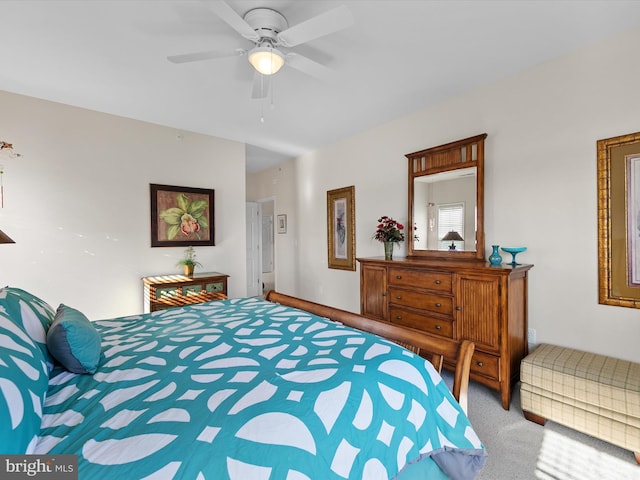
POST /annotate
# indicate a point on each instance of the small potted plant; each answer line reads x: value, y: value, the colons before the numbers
x: 189, y: 261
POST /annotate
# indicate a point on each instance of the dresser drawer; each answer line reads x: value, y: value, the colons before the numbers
x: 485, y: 365
x: 431, y: 280
x: 406, y: 318
x: 432, y: 303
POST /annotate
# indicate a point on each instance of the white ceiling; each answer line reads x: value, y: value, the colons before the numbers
x: 397, y: 58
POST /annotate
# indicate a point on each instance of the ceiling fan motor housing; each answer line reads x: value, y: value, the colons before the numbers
x: 267, y: 23
x: 269, y: 31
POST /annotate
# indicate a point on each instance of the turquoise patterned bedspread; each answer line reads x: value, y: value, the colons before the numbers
x: 249, y: 390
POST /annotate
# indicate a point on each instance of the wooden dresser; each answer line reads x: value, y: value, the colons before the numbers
x: 458, y: 299
x: 167, y: 291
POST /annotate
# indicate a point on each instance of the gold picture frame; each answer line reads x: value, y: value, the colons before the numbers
x: 619, y: 221
x: 341, y: 228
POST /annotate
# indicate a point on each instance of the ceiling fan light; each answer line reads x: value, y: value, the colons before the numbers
x: 266, y: 60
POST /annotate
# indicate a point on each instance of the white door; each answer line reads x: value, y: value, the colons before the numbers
x: 254, y: 260
x: 267, y: 243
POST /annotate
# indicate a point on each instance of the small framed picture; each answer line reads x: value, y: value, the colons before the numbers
x: 282, y: 224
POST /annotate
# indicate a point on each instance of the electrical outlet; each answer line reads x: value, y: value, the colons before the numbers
x: 531, y: 335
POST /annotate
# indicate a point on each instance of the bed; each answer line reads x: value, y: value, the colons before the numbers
x: 236, y: 389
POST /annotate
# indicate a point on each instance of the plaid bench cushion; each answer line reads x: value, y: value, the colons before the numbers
x: 592, y: 393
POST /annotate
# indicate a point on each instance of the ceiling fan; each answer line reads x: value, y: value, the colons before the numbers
x: 270, y: 32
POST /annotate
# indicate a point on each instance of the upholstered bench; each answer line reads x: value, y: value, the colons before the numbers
x: 594, y: 394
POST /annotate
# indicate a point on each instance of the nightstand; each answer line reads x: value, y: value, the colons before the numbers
x: 168, y: 291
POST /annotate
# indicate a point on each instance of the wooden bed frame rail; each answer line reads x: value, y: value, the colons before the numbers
x: 431, y: 347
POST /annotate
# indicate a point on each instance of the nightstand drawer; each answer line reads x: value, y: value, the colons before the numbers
x: 166, y: 292
x: 432, y: 280
x: 214, y: 287
x: 437, y: 326
x: 192, y: 290
x: 433, y: 303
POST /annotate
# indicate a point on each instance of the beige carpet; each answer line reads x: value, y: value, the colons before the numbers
x: 522, y: 450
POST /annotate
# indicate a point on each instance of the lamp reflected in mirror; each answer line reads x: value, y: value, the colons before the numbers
x: 4, y: 238
x: 453, y: 237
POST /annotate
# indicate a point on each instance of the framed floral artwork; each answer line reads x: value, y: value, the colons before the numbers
x: 341, y: 228
x: 619, y: 221
x: 181, y: 216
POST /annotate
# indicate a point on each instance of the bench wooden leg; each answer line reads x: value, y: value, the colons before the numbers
x: 637, y: 455
x: 532, y: 417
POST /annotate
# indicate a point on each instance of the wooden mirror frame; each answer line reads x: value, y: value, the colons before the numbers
x: 465, y: 153
x: 616, y: 178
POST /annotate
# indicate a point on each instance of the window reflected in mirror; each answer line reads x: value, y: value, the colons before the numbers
x: 443, y: 203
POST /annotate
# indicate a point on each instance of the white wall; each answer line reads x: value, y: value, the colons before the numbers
x: 77, y: 204
x: 540, y: 187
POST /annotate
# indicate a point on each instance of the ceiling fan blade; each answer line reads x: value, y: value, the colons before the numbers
x: 261, y: 85
x: 198, y: 56
x: 231, y: 17
x: 316, y: 27
x: 308, y: 66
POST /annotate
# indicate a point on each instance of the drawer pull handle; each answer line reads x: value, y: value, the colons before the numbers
x: 458, y: 308
x: 438, y: 305
x: 398, y: 317
x: 398, y: 297
x: 438, y: 327
x: 438, y: 282
x: 398, y: 277
x: 479, y: 364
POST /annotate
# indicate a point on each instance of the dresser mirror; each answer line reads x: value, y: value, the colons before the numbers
x: 446, y: 200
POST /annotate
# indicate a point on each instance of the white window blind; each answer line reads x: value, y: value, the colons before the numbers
x: 451, y: 217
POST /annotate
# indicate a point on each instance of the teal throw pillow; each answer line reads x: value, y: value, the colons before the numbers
x: 73, y: 341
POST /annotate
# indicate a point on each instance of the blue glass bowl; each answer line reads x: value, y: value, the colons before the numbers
x: 513, y: 251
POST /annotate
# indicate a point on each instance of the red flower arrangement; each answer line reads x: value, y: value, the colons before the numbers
x: 389, y: 230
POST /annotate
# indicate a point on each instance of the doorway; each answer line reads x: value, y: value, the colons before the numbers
x: 268, y: 245
x: 260, y: 247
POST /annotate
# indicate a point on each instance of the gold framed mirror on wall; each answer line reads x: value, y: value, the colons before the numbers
x: 619, y: 221
x: 446, y: 200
